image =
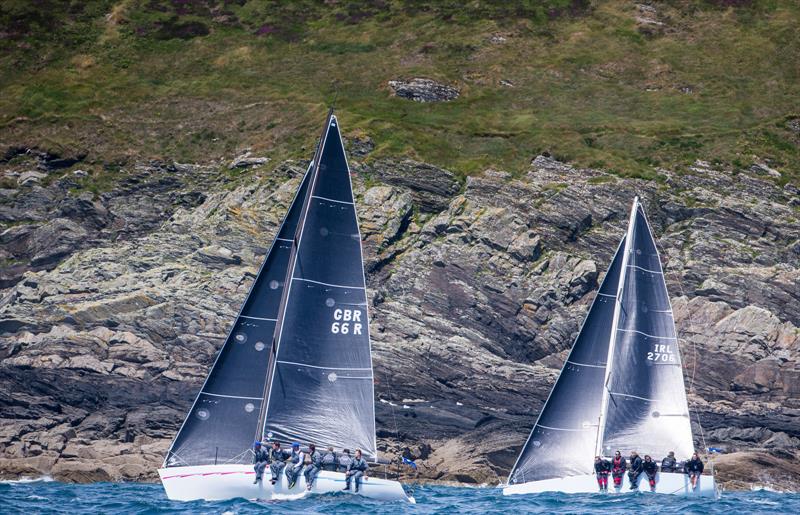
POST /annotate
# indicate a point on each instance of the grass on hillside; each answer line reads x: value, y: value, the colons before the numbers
x: 196, y: 80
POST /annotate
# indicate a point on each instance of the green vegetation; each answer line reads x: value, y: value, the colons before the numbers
x: 196, y: 80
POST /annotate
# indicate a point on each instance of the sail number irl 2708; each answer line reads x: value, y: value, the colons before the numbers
x: 346, y: 321
x: 662, y: 353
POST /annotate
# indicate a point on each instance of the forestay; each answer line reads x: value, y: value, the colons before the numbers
x: 647, y: 408
x: 224, y: 417
x: 322, y: 388
x: 562, y: 441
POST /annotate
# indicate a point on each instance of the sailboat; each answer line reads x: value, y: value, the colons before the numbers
x: 621, y: 387
x: 296, y: 365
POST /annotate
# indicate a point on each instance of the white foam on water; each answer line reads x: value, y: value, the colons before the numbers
x: 289, y: 497
x: 41, y: 479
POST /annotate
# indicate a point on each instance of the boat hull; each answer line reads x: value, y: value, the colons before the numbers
x: 221, y: 482
x: 666, y: 483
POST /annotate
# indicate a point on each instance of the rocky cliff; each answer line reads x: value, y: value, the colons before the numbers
x: 115, y: 304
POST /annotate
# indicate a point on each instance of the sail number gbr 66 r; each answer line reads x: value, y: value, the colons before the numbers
x: 346, y: 321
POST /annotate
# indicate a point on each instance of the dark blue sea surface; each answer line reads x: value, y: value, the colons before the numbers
x: 46, y: 497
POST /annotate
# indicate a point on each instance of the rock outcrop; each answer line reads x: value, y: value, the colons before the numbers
x: 477, y: 290
x: 423, y: 90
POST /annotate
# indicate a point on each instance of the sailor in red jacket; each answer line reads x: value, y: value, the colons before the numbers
x: 618, y: 468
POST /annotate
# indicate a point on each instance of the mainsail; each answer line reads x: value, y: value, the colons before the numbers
x: 321, y: 387
x: 563, y: 439
x: 646, y: 398
x: 220, y: 426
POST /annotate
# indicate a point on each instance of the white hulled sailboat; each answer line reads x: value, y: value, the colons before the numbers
x: 296, y: 365
x: 621, y: 387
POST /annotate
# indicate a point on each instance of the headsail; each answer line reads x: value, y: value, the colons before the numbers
x: 321, y: 388
x: 647, y: 408
x: 224, y: 417
x: 563, y: 439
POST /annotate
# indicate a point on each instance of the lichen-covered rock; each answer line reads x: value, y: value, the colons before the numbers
x: 423, y: 90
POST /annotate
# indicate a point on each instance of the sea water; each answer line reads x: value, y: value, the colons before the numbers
x: 46, y: 497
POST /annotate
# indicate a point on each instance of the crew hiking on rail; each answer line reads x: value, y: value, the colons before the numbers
x: 693, y: 468
x: 309, y: 463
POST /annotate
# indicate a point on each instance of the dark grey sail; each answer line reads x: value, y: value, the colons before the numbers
x: 322, y: 388
x: 224, y: 418
x: 563, y: 440
x: 646, y: 406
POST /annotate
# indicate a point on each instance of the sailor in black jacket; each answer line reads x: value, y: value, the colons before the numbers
x: 694, y: 469
x: 669, y: 464
x: 636, y: 469
x: 602, y: 468
x: 651, y: 469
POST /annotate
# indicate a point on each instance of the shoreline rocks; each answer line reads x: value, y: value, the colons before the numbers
x: 477, y: 291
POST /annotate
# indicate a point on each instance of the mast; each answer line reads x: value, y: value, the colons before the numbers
x: 273, y: 351
x: 612, y: 342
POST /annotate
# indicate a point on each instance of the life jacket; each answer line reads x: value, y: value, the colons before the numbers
x: 617, y: 463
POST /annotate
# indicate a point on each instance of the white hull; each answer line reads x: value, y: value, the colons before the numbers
x: 221, y: 482
x: 666, y: 483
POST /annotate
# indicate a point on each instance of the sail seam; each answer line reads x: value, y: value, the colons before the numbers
x: 316, y: 366
x: 331, y: 200
x: 562, y: 429
x: 231, y: 396
x: 645, y: 269
x: 585, y: 364
x: 329, y: 284
x: 648, y: 335
x: 634, y: 396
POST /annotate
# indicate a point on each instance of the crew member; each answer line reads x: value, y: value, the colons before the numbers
x: 260, y: 461
x: 294, y: 465
x: 650, y: 468
x: 313, y: 463
x: 278, y: 460
x: 357, y: 469
x: 669, y: 464
x: 330, y: 461
x: 636, y: 469
x: 602, y: 468
x: 618, y: 467
x: 693, y: 468
x: 344, y: 460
